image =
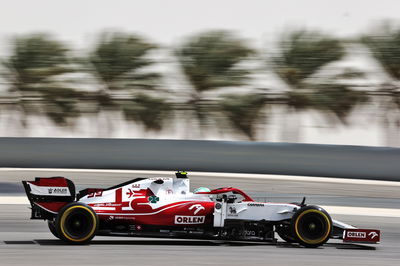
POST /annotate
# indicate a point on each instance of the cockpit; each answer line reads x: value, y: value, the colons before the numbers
x: 227, y: 194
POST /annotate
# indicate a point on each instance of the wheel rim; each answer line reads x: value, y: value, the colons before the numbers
x: 78, y: 224
x: 313, y: 227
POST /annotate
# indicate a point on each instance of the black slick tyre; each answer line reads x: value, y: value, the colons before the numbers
x: 76, y: 223
x: 52, y: 228
x: 311, y: 226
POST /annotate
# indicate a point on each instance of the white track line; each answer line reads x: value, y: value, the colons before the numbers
x: 343, y: 210
x: 14, y: 200
x: 363, y: 211
x: 227, y: 175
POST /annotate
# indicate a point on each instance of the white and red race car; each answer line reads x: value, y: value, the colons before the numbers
x: 165, y: 207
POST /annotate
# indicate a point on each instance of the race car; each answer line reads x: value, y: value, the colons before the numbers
x: 165, y: 207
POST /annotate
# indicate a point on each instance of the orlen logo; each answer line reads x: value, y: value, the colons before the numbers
x: 189, y: 219
x: 357, y: 234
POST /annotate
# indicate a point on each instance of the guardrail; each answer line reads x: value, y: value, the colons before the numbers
x: 379, y: 163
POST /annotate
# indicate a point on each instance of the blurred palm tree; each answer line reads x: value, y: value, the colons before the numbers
x: 385, y: 47
x: 210, y: 61
x: 337, y: 99
x: 384, y: 44
x: 302, y: 54
x: 35, y: 73
x: 120, y: 62
x: 149, y: 111
x: 244, y: 112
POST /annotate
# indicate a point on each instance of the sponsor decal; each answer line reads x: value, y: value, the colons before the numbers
x: 107, y: 204
x: 124, y: 218
x: 352, y: 234
x: 232, y: 211
x: 53, y: 191
x: 255, y: 204
x: 59, y: 191
x: 361, y: 235
x: 373, y: 234
x: 198, y: 208
x: 249, y: 233
x: 135, y: 185
x: 153, y: 199
x: 169, y: 192
x: 98, y: 193
x: 218, y: 206
x: 189, y: 219
x: 129, y: 193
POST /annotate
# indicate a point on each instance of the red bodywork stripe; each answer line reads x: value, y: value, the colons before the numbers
x: 50, y: 182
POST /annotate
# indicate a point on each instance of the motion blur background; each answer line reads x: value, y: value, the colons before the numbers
x: 290, y: 71
x: 309, y: 71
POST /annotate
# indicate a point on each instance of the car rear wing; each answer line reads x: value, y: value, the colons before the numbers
x: 47, y: 195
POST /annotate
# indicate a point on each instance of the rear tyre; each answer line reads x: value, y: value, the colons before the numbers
x: 76, y: 223
x: 53, y: 229
x: 311, y: 226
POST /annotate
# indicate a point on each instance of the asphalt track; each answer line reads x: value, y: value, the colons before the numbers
x: 28, y: 242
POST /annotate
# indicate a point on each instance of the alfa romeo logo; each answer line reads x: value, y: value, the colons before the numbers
x: 153, y: 199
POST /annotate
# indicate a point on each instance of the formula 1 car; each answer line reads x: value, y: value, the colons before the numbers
x: 165, y: 207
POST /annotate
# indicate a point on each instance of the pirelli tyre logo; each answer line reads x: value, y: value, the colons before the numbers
x: 189, y: 219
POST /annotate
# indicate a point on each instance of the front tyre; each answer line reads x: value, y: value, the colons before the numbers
x: 76, y: 223
x: 311, y: 226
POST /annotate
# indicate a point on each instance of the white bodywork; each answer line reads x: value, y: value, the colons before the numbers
x: 178, y: 189
x: 252, y: 211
